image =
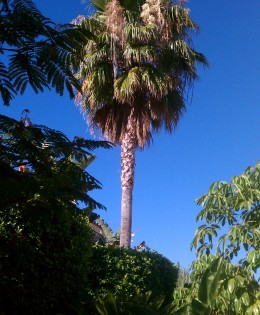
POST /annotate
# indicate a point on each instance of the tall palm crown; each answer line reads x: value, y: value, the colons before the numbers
x: 136, y: 70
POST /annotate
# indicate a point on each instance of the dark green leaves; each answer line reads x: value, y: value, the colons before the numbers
x: 36, y: 51
x: 7, y: 90
x: 24, y: 70
x: 56, y: 164
x: 45, y: 238
x: 123, y: 272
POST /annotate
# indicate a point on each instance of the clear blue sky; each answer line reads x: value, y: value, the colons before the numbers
x: 217, y: 138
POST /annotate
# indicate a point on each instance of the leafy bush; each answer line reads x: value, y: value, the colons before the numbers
x: 125, y: 271
x: 218, y: 287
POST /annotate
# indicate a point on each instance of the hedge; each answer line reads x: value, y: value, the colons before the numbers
x: 124, y: 271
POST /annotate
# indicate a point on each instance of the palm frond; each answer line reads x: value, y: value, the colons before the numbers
x: 97, y: 88
x: 139, y: 33
x: 100, y: 4
x: 180, y: 18
x: 127, y: 84
x: 95, y: 54
x: 168, y: 112
x: 155, y: 81
x: 138, y: 54
x: 147, y: 79
x: 93, y: 24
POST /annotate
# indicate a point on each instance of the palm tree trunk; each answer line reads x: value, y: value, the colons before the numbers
x: 128, y: 146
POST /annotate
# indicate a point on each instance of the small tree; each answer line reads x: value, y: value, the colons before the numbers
x: 235, y: 206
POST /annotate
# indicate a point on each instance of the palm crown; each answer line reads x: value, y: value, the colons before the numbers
x: 138, y: 64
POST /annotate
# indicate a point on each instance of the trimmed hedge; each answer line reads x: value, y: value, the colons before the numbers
x: 124, y: 271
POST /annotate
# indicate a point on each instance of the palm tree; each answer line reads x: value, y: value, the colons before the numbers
x: 135, y: 75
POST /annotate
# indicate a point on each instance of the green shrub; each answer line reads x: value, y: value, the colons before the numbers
x: 125, y: 271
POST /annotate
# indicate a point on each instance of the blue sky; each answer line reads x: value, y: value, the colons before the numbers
x: 217, y: 138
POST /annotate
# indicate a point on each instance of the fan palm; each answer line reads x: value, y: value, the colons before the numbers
x: 135, y: 74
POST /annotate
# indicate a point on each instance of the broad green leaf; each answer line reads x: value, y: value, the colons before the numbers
x: 231, y: 285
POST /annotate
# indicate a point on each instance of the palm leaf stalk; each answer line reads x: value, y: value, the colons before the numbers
x: 135, y: 75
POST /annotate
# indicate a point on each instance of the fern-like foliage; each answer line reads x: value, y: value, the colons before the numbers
x: 54, y: 172
x: 37, y: 52
x: 7, y: 90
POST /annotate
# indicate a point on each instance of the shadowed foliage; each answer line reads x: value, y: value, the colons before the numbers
x: 36, y: 51
x: 45, y: 239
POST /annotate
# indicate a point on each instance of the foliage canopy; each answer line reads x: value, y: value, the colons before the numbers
x: 36, y: 51
x: 217, y: 288
x: 235, y: 206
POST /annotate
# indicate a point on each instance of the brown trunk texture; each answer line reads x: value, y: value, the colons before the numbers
x: 128, y: 146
